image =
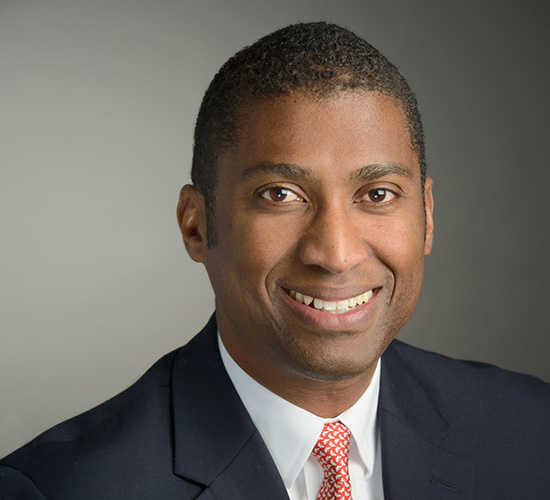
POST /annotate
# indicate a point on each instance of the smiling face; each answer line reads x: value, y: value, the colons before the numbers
x: 321, y: 235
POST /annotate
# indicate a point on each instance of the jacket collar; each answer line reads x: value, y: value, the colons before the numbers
x: 217, y: 445
x: 413, y: 431
x: 215, y: 442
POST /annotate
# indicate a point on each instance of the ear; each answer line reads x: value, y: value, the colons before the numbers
x: 429, y: 208
x: 191, y: 213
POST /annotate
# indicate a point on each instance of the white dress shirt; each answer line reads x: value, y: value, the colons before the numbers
x: 290, y: 433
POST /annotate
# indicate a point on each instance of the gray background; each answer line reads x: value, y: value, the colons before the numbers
x: 97, y: 105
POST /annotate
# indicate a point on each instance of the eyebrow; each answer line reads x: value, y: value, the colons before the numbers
x: 285, y: 170
x: 293, y: 172
x: 378, y: 170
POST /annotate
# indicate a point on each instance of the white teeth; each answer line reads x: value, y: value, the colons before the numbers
x: 342, y: 305
x: 307, y: 300
x: 336, y: 307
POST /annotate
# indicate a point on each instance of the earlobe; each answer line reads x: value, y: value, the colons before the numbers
x: 429, y: 208
x: 192, y: 222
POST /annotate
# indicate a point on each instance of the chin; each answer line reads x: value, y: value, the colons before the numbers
x: 331, y: 367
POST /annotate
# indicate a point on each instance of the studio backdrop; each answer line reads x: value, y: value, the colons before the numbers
x: 97, y: 107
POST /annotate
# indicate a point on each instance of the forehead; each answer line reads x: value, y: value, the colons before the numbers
x: 342, y: 131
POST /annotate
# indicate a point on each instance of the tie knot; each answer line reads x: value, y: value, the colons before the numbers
x: 331, y: 451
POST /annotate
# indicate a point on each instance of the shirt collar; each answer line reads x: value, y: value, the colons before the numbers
x: 290, y: 432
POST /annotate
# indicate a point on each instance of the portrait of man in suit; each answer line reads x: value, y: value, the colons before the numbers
x: 311, y: 210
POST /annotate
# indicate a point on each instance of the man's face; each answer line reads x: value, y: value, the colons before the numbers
x: 320, y: 237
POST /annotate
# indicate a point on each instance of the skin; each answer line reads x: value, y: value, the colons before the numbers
x: 323, y: 197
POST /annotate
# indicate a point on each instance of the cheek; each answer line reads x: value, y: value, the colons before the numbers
x: 400, y: 245
x: 268, y: 240
x: 402, y: 253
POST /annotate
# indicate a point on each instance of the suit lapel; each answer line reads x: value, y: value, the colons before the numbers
x: 250, y: 475
x: 217, y: 446
x: 415, y: 464
x: 215, y: 442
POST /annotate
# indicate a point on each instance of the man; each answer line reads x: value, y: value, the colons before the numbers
x: 312, y: 213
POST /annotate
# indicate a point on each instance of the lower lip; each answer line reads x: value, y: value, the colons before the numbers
x: 325, y: 320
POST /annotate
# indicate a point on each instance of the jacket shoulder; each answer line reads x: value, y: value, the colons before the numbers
x: 97, y: 443
x: 490, y: 426
x: 470, y: 379
x: 488, y: 408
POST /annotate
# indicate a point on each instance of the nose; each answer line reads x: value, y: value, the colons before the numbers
x: 333, y: 241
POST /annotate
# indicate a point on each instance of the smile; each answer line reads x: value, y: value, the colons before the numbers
x: 333, y: 307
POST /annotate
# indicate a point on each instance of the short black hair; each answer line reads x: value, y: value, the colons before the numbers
x: 317, y: 59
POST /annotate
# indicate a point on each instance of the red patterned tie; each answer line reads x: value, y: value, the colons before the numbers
x: 331, y: 451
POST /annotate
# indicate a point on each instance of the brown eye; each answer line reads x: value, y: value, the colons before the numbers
x: 280, y: 194
x: 377, y: 195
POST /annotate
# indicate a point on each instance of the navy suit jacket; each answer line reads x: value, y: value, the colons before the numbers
x: 449, y: 430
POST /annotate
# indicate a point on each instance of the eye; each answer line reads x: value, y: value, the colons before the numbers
x: 378, y: 195
x: 280, y: 194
